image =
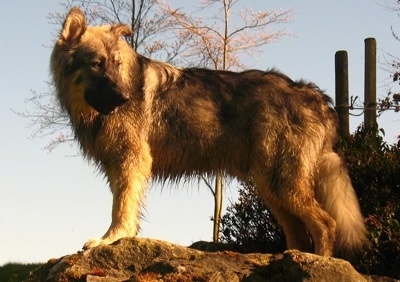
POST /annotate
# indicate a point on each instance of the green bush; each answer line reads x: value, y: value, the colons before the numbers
x: 15, y: 272
x: 374, y: 168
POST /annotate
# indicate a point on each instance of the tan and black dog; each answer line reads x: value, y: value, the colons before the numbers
x: 137, y: 118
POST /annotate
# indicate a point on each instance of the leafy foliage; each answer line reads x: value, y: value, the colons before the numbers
x: 374, y: 168
x: 13, y: 272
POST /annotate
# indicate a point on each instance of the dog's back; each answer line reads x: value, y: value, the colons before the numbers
x: 208, y: 120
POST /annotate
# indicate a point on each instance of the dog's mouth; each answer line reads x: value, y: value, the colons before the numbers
x: 106, y: 110
x: 105, y: 102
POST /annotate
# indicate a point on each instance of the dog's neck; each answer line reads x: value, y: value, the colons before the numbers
x: 158, y: 75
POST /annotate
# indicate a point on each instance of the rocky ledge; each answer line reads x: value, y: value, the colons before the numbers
x: 143, y: 260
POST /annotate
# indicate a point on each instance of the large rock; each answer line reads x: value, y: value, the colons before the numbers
x: 135, y: 259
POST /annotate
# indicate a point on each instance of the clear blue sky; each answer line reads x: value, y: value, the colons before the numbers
x: 50, y: 204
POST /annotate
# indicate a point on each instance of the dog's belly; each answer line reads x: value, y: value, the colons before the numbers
x: 186, y: 157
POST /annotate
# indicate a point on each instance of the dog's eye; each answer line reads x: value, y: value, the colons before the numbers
x: 97, y: 65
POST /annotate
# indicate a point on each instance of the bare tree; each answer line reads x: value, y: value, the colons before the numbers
x: 391, y: 64
x: 228, y: 38
x: 224, y: 41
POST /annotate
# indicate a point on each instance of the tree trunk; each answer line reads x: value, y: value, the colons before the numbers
x: 218, y: 196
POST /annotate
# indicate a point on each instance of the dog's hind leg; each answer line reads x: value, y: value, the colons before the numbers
x: 321, y: 226
x: 128, y: 181
x: 296, y: 234
x: 299, y: 200
x: 291, y: 198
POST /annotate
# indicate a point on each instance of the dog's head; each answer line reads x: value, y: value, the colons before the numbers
x: 90, y: 66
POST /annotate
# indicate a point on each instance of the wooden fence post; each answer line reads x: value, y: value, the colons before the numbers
x: 370, y: 83
x: 342, y: 92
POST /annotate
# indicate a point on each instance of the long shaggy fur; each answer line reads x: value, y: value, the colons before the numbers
x: 138, y: 118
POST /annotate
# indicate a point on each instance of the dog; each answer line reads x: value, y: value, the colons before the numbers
x: 137, y: 118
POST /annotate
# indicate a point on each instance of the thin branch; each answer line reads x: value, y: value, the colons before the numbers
x: 208, y: 184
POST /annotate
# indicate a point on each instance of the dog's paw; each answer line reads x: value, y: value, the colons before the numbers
x: 94, y: 243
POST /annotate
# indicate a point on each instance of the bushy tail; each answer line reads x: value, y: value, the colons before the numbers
x: 336, y: 194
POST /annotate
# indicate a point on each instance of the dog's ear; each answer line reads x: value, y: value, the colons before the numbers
x: 121, y: 30
x: 74, y: 26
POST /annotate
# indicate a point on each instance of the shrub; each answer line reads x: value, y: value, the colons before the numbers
x: 374, y: 168
x: 13, y: 272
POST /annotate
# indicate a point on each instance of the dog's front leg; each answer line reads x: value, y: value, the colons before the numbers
x: 128, y: 181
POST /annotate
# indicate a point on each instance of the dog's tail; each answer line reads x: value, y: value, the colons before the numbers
x: 336, y: 194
